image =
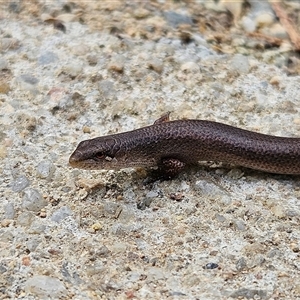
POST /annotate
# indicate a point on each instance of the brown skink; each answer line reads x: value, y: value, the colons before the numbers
x: 173, y: 145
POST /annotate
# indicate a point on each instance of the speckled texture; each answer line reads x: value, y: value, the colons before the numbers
x: 212, y: 233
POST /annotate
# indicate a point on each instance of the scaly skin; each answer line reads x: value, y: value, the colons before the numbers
x: 172, y: 145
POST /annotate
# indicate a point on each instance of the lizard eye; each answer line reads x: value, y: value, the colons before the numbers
x: 100, y: 155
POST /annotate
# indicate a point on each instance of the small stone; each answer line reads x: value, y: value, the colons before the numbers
x: 5, y: 222
x: 211, y: 266
x: 3, y: 151
x: 26, y: 121
x: 240, y: 64
x: 2, y: 269
x: 73, y: 70
x: 4, y: 87
x: 3, y: 64
x: 277, y: 31
x: 25, y: 218
x: 235, y: 173
x: 33, y: 200
x: 61, y: 214
x: 275, y: 80
x: 296, y: 289
x: 80, y: 49
x: 257, y: 260
x: 141, y: 13
x: 86, y: 129
x: 212, y: 191
x: 47, y: 58
x: 117, y: 63
x: 45, y: 169
x: 156, y: 65
x: 190, y: 67
x: 248, y: 24
x: 106, y: 89
x: 92, y: 59
x: 240, y: 225
x: 264, y: 20
x: 126, y: 215
x: 174, y: 19
x: 220, y: 218
x: 37, y: 227
x: 32, y: 243
x: 238, y: 42
x: 9, y: 211
x: 45, y: 287
x: 15, y: 6
x: 217, y: 86
x: 155, y: 273
x: 9, y: 44
x: 241, y: 264
x: 6, y: 236
x: 249, y: 294
x: 96, y: 227
x: 30, y: 79
x: 278, y: 211
x: 20, y: 183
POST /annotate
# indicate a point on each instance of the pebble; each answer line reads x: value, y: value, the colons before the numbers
x: 20, y: 183
x: 80, y: 50
x: 264, y: 20
x: 117, y: 63
x: 156, y: 65
x: 141, y: 13
x: 45, y: 169
x: 248, y: 24
x: 47, y: 58
x: 73, y: 69
x: 9, y: 44
x: 9, y: 211
x: 190, y: 67
x: 36, y: 227
x: 240, y: 225
x: 235, y: 7
x: 211, y: 266
x: 3, y: 64
x: 155, y: 273
x: 6, y: 235
x: 245, y: 293
x: 28, y: 78
x: 45, y: 287
x: 106, y: 89
x: 240, y: 64
x: 174, y: 19
x: 212, y: 191
x: 33, y: 200
x: 33, y: 243
x: 61, y: 213
x: 126, y: 216
x: 92, y: 59
x: 4, y: 87
x: 27, y: 82
x: 25, y: 218
x: 277, y: 31
x: 241, y: 264
x: 15, y: 6
x: 278, y: 211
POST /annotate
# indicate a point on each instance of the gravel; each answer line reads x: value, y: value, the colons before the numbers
x: 215, y: 232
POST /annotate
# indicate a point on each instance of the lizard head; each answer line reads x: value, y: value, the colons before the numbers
x: 98, y: 153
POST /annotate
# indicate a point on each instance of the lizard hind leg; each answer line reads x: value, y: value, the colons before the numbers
x: 170, y: 167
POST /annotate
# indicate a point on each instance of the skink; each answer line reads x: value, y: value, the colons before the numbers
x: 173, y: 145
